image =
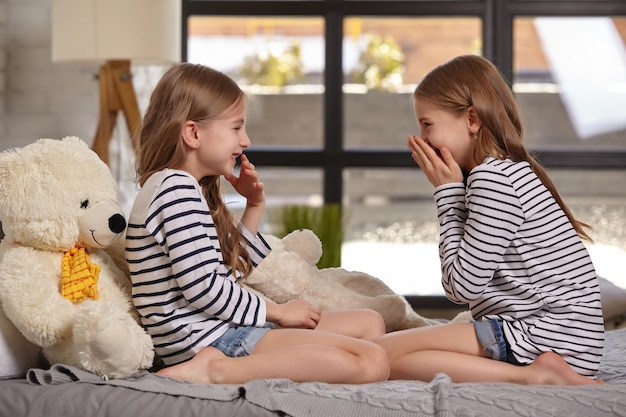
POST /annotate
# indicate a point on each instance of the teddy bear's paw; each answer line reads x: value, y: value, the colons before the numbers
x: 110, y: 343
x: 463, y: 317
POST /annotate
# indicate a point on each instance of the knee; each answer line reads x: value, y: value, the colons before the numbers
x: 375, y: 365
x: 376, y: 325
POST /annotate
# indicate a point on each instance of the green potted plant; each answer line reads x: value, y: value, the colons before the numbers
x: 326, y: 221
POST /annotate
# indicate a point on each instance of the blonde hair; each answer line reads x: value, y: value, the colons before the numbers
x: 197, y: 93
x: 471, y: 80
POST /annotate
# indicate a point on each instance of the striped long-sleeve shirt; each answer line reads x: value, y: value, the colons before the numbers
x: 509, y: 251
x: 186, y: 296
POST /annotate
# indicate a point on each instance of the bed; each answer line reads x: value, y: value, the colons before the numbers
x: 65, y: 391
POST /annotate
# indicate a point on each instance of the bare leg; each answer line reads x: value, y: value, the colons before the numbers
x: 297, y: 354
x: 454, y: 349
x: 360, y: 323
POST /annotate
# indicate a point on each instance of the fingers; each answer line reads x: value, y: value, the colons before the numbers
x: 244, y: 161
x: 313, y: 312
x: 313, y: 320
x: 439, y: 166
x: 248, y: 176
x: 447, y: 157
x: 248, y: 169
x: 251, y: 173
x: 316, y: 315
x: 421, y: 152
x: 302, y: 314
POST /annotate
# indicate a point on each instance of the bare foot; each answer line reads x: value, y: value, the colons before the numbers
x: 196, y: 369
x: 551, y: 369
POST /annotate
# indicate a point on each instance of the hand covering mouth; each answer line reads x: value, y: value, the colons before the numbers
x: 437, y: 151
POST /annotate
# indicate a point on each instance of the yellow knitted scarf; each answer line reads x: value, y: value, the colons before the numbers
x: 79, y: 277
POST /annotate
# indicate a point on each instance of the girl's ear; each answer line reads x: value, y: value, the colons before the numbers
x: 190, y: 134
x: 473, y: 121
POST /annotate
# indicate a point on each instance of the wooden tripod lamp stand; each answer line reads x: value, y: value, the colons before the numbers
x: 116, y: 94
x: 115, y: 33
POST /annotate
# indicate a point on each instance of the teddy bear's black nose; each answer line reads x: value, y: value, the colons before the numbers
x: 117, y: 223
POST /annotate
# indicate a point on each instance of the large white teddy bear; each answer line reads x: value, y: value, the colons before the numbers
x: 290, y: 272
x: 64, y: 283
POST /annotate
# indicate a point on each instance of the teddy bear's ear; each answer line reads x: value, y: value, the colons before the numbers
x: 305, y: 243
x: 14, y: 163
x: 75, y: 141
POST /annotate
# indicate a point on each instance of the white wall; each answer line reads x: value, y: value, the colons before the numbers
x: 42, y: 99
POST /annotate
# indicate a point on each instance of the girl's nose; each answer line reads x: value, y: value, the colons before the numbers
x: 245, y: 141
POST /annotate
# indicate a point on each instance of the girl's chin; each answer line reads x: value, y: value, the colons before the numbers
x: 229, y: 169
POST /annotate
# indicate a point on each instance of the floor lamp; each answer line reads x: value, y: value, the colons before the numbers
x: 116, y: 33
x: 116, y: 94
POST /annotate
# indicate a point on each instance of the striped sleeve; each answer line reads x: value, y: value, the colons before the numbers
x: 477, y: 228
x: 257, y: 246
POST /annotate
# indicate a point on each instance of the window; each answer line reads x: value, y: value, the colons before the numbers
x: 569, y: 78
x: 383, y: 59
x: 337, y: 121
x: 280, y: 61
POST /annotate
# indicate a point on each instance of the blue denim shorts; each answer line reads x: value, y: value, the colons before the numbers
x: 492, y: 340
x: 240, y: 340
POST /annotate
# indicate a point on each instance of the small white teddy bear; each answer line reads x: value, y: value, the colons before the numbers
x: 58, y: 284
x: 289, y: 272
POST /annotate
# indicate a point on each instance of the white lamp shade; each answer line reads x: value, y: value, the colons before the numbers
x: 144, y: 31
